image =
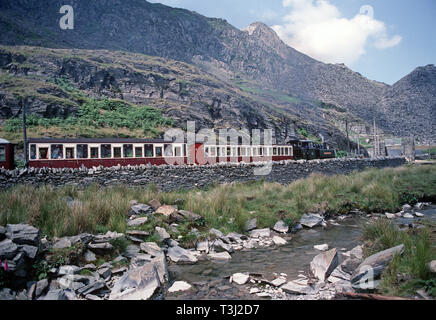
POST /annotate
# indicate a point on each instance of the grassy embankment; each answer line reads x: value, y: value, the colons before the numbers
x: 410, y: 271
x: 225, y: 207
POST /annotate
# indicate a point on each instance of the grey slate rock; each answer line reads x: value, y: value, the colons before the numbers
x: 23, y: 234
x: 8, y: 249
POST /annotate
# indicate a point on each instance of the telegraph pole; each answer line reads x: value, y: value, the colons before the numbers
x: 23, y: 108
x: 348, y: 140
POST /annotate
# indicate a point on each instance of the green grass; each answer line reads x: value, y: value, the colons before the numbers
x: 225, y: 207
x: 412, y: 266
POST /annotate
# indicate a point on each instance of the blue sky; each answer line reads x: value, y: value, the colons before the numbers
x: 384, y: 42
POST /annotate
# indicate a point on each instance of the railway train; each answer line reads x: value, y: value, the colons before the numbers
x: 108, y: 152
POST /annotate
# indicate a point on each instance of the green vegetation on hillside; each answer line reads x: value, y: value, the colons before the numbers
x: 93, y: 113
x: 225, y: 207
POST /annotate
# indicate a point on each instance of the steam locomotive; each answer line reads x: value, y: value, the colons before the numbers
x: 108, y: 152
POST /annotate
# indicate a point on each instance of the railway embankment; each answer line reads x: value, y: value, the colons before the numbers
x: 173, y: 177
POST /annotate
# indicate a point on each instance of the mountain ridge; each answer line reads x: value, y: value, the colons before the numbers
x: 255, y: 55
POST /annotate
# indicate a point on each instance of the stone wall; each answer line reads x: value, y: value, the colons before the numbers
x: 169, y: 177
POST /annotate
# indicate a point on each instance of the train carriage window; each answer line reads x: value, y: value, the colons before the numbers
x: 2, y: 154
x: 117, y: 152
x: 69, y: 153
x: 184, y: 150
x: 274, y: 151
x: 286, y: 151
x: 265, y: 151
x: 239, y: 151
x: 168, y: 150
x: 43, y: 153
x: 128, y: 150
x: 218, y: 151
x: 82, y: 151
x: 255, y: 152
x: 234, y: 153
x: 148, y: 151
x: 138, y: 152
x: 159, y: 152
x: 229, y: 151
x: 32, y: 152
x: 94, y: 153
x: 106, y: 151
x: 57, y: 151
x: 243, y: 152
x: 212, y: 151
x: 178, y: 151
x: 206, y: 151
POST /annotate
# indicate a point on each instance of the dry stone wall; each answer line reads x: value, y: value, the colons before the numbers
x: 170, y: 177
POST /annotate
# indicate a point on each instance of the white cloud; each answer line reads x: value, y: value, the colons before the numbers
x: 316, y: 28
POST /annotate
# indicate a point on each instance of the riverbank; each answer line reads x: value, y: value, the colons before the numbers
x: 67, y: 211
x: 77, y: 252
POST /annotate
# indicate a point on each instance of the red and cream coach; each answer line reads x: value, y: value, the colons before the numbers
x: 6, y: 155
x: 75, y: 153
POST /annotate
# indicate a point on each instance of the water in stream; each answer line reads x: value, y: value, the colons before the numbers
x: 210, y: 277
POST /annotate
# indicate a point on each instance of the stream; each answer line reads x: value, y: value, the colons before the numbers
x: 210, y: 278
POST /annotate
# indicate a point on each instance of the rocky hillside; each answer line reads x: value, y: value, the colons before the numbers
x: 254, y: 59
x: 58, y: 82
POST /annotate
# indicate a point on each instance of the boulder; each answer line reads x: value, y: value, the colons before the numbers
x: 8, y: 249
x: 188, y: 215
x: 432, y: 266
x: 390, y: 215
x: 92, y: 287
x: 278, y: 282
x: 162, y: 233
x: 140, y: 208
x: 155, y: 204
x: 166, y: 210
x: 324, y: 264
x: 40, y: 287
x: 250, y: 225
x: 419, y: 215
x: 219, y: 256
x: 137, y: 222
x: 179, y: 286
x: 240, y: 278
x: 138, y: 233
x: 29, y: 251
x: 279, y: 241
x: 137, y: 284
x: 57, y: 294
x: 100, y: 248
x: 151, y: 248
x: 372, y: 267
x: 180, y: 255
x: 217, y: 233
x: 281, y: 227
x: 294, y: 287
x: 408, y: 216
x: 62, y: 244
x: 64, y: 270
x: 23, y: 234
x: 203, y: 246
x: 322, y: 247
x: 407, y: 207
x: 219, y: 246
x: 311, y: 220
x: 90, y: 256
x: 260, y: 233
